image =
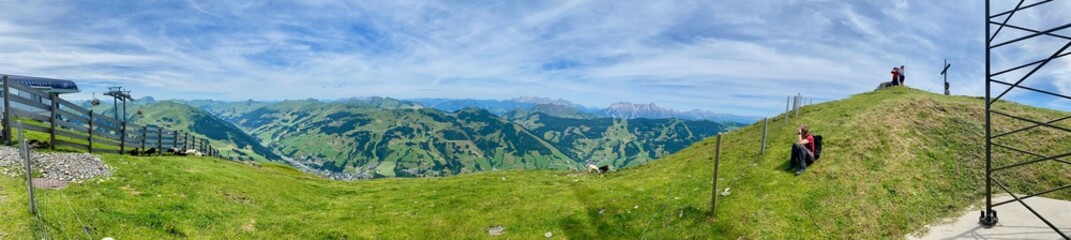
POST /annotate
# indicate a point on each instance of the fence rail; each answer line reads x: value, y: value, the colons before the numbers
x: 71, y: 126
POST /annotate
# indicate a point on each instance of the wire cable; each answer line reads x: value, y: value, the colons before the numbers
x: 84, y: 227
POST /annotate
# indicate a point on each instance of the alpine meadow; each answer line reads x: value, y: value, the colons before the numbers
x: 558, y: 119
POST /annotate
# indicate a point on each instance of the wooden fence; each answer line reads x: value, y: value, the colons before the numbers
x: 69, y: 125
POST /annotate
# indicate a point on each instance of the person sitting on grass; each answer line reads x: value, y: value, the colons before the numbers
x: 802, y: 150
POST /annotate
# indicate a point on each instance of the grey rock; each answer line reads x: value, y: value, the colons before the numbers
x: 72, y: 167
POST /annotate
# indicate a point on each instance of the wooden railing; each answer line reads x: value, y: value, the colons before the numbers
x: 71, y: 126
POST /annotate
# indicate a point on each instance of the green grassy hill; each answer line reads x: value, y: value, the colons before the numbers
x: 225, y: 137
x: 231, y: 141
x: 894, y: 161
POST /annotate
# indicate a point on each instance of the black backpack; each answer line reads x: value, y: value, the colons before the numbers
x: 817, y: 147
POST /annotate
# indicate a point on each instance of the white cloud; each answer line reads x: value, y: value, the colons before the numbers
x: 739, y: 57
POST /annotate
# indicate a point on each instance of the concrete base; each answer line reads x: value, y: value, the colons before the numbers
x: 1015, y: 222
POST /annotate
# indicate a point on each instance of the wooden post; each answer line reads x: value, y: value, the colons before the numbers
x: 90, y: 131
x: 185, y: 141
x: 24, y: 152
x: 52, y: 120
x: 717, y: 159
x: 7, y: 114
x: 144, y: 136
x: 787, y: 100
x: 762, y: 148
x: 159, y: 141
x: 797, y: 105
x: 174, y: 142
x: 122, y: 138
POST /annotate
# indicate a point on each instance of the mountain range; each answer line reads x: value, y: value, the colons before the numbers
x: 231, y: 141
x: 385, y: 137
x: 369, y: 137
x: 625, y: 110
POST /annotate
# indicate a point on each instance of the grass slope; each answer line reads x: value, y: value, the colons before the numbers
x: 227, y: 138
x: 894, y: 161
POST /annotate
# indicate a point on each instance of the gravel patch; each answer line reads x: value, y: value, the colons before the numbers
x: 68, y: 167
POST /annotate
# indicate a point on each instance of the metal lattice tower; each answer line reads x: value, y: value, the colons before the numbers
x: 1000, y: 21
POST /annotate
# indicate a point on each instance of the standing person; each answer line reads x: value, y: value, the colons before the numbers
x: 802, y: 150
x: 902, y: 75
x: 895, y: 76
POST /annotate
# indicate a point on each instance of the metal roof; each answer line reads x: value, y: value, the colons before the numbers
x: 46, y: 84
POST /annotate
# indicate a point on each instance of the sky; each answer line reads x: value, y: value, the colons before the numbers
x: 739, y: 57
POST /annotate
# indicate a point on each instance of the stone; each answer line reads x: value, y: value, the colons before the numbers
x: 496, y: 231
x: 72, y: 167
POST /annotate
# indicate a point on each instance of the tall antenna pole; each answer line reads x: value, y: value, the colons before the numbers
x: 988, y: 217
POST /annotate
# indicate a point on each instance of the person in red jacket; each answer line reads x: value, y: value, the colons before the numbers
x: 802, y: 150
x: 895, y: 76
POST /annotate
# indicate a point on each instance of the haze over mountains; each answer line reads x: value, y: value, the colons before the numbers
x: 624, y: 110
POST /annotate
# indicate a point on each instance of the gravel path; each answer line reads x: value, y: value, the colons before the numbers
x: 68, y: 167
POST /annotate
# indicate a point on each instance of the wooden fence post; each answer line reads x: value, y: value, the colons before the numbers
x: 90, y: 132
x: 174, y: 142
x: 185, y: 141
x: 24, y: 153
x: 787, y: 100
x: 52, y: 120
x: 144, y: 136
x: 717, y: 159
x: 122, y: 138
x: 762, y: 148
x: 799, y: 99
x: 159, y: 141
x: 7, y: 114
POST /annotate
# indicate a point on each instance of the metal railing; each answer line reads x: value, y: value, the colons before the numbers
x: 989, y: 216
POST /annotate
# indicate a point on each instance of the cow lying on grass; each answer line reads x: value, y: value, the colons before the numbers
x: 135, y: 152
x: 194, y: 152
x: 176, y: 152
x: 33, y: 143
x: 596, y: 169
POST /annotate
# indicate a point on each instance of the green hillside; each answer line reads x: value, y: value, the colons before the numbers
x: 374, y: 141
x: 223, y: 136
x: 618, y: 142
x: 894, y: 161
x: 382, y: 137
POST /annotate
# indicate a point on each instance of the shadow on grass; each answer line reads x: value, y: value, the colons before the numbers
x: 603, y: 217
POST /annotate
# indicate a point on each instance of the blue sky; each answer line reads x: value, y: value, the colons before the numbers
x: 739, y: 57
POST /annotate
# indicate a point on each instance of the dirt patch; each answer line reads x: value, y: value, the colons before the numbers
x: 237, y: 198
x: 48, y: 183
x: 251, y: 226
x: 130, y: 190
